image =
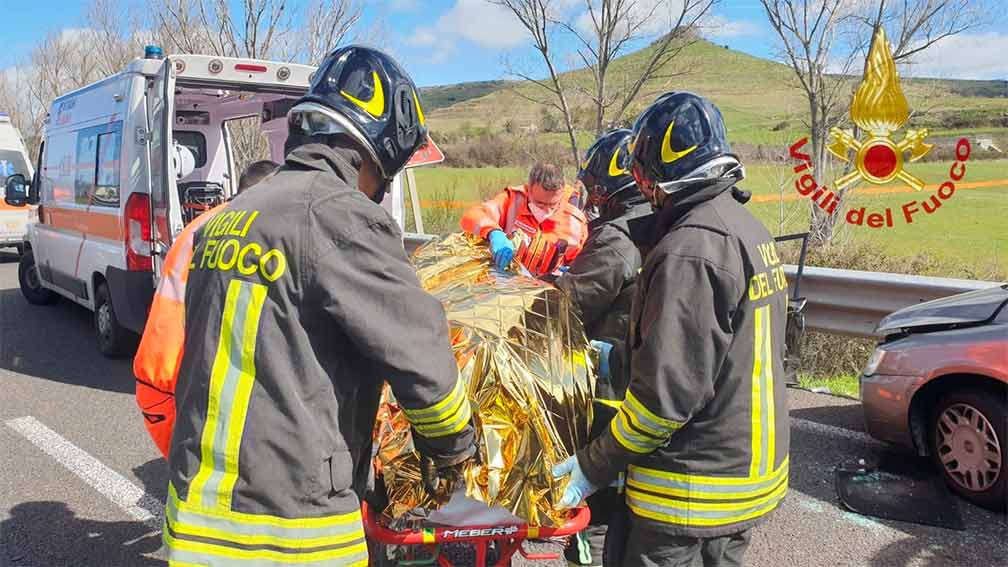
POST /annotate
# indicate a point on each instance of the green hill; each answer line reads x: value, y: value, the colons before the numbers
x: 759, y: 98
x: 447, y: 95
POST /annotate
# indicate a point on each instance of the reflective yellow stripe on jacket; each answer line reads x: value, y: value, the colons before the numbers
x: 446, y: 417
x: 711, y: 501
x: 204, y: 527
x: 693, y: 500
x: 195, y: 535
x: 231, y: 380
x: 639, y: 429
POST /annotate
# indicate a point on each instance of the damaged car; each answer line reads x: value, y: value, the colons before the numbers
x: 938, y: 383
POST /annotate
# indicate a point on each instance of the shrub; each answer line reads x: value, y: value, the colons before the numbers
x: 441, y: 217
x: 825, y: 355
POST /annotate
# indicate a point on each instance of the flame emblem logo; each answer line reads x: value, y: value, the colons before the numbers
x: 879, y: 108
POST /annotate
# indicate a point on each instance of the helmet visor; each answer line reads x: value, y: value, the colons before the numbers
x: 312, y: 119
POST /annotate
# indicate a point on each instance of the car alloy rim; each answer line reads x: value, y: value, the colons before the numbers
x: 968, y: 447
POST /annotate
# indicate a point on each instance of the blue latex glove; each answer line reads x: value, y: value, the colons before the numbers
x: 578, y: 487
x: 501, y: 249
x: 603, y: 349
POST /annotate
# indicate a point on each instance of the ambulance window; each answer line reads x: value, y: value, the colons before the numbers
x: 12, y: 162
x: 87, y: 159
x: 195, y: 142
x: 96, y: 181
x: 107, y: 186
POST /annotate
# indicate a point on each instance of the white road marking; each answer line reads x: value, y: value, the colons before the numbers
x: 112, y: 485
x: 150, y: 511
x: 816, y: 427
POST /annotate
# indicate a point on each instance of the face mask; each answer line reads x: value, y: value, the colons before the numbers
x: 541, y: 213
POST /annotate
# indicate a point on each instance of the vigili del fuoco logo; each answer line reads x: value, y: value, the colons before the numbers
x: 879, y: 108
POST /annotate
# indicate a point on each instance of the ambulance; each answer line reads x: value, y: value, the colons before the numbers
x: 127, y: 161
x: 13, y: 160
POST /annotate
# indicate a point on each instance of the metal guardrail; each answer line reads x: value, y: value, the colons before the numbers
x: 412, y: 241
x: 849, y: 302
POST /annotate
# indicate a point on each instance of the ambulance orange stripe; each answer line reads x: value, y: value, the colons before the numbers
x: 102, y: 225
x: 5, y: 207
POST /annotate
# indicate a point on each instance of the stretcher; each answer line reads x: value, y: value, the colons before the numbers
x: 469, y: 546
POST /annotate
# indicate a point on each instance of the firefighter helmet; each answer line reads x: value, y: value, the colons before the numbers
x: 605, y: 171
x: 364, y: 93
x: 679, y: 146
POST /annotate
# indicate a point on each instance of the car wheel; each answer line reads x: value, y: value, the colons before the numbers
x: 969, y: 443
x: 31, y: 282
x: 114, y: 340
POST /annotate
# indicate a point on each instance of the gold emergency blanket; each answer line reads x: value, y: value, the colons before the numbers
x: 524, y: 359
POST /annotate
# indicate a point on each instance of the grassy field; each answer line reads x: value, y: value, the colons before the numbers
x: 966, y: 234
x: 758, y: 98
x: 837, y: 385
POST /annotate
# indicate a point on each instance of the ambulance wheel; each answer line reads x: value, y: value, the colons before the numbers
x: 114, y: 340
x: 31, y: 282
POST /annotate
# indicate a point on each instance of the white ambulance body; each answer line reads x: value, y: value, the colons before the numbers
x: 13, y: 160
x: 109, y: 199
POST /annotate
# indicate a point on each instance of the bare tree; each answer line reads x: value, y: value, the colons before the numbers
x: 214, y: 27
x: 614, y: 26
x: 823, y: 39
x: 605, y: 30
x: 327, y: 24
x: 808, y: 32
x: 536, y: 16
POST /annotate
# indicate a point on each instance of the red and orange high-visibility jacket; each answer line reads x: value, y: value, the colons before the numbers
x: 550, y: 244
x: 159, y: 355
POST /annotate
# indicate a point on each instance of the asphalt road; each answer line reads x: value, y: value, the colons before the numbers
x: 81, y: 483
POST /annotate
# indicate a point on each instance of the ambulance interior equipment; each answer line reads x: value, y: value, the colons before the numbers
x: 202, y: 129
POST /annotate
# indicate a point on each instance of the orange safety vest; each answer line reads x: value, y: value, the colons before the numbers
x: 159, y: 355
x: 562, y: 234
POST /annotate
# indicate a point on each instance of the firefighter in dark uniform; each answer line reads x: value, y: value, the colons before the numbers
x: 602, y: 279
x: 601, y: 282
x: 300, y: 303
x: 702, y: 434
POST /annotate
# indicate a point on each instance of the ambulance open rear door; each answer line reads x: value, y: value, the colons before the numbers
x: 165, y: 209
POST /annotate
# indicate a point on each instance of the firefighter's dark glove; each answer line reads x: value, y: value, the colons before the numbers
x: 439, y: 476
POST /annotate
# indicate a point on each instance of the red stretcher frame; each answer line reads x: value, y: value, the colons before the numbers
x: 508, y: 538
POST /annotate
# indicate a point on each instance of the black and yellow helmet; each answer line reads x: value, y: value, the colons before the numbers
x: 364, y: 93
x: 605, y: 170
x: 680, y: 144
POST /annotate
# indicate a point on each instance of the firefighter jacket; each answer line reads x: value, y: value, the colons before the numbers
x: 157, y: 359
x: 602, y: 281
x: 547, y: 245
x: 703, y: 431
x: 300, y: 303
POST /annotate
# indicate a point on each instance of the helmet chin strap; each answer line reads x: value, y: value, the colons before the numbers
x: 383, y: 189
x: 699, y: 179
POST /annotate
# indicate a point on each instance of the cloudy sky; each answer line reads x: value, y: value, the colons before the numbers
x: 448, y: 41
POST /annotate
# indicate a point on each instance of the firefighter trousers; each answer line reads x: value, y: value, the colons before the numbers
x: 646, y: 547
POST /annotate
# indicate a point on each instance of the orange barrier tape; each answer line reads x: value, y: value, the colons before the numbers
x: 792, y: 196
